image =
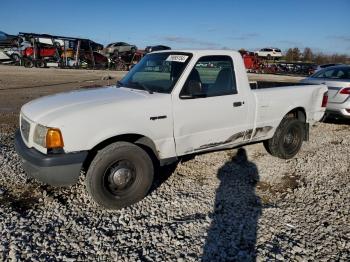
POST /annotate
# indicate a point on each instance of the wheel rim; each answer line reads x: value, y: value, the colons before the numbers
x: 120, y: 177
x: 291, y: 141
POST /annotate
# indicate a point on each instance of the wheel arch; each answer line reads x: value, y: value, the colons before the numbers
x: 142, y: 141
x: 298, y: 113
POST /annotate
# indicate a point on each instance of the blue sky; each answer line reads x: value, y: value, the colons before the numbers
x: 323, y: 25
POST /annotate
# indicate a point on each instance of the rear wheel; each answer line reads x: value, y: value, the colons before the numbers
x: 40, y: 63
x: 120, y: 175
x: 287, y: 139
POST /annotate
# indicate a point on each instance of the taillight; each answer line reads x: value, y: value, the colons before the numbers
x: 345, y: 91
x: 324, y: 99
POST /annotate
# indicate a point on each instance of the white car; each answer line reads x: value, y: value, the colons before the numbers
x: 337, y: 78
x: 269, y: 53
x: 155, y: 117
x: 10, y: 55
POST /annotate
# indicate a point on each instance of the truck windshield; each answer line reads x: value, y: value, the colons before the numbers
x: 156, y: 72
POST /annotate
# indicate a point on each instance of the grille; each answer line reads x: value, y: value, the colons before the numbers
x: 25, y: 128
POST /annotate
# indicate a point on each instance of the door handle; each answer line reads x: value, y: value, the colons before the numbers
x: 236, y: 104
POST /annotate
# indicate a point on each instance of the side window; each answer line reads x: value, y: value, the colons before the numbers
x: 339, y: 74
x: 325, y: 74
x: 211, y: 76
x: 329, y: 73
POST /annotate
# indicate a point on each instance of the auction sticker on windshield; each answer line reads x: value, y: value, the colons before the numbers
x: 177, y: 58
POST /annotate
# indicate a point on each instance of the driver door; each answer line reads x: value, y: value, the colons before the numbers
x: 210, y: 112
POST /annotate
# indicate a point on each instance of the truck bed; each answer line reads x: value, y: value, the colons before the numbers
x: 269, y: 84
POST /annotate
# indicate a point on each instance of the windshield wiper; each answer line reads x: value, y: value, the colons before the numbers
x: 143, y: 86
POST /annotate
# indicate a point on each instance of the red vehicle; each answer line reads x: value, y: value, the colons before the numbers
x: 41, y: 52
x: 251, y: 62
x: 44, y: 54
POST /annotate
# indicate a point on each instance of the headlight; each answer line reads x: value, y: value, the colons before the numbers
x: 48, y: 137
x: 40, y: 135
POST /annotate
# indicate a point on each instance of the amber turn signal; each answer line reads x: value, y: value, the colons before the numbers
x: 54, y: 138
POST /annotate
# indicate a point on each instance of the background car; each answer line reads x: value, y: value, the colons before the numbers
x: 119, y: 47
x: 269, y: 53
x: 320, y: 67
x: 154, y: 48
x: 7, y: 40
x: 100, y: 60
x: 337, y: 78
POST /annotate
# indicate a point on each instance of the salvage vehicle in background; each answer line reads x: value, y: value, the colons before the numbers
x: 153, y: 117
x: 154, y: 48
x: 44, y: 54
x: 60, y: 51
x: 114, y: 49
x: 98, y: 60
x: 337, y: 78
x: 10, y: 55
x: 269, y: 53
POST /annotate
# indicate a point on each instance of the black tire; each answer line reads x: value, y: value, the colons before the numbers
x: 324, y: 118
x: 268, y: 57
x: 120, y: 175
x: 28, y: 63
x: 40, y: 63
x: 287, y: 139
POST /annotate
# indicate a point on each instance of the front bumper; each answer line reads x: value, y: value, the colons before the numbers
x: 56, y: 169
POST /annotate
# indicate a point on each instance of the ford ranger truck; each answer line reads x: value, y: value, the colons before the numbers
x: 170, y: 105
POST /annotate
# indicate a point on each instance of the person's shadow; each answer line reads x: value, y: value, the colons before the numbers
x: 233, y: 230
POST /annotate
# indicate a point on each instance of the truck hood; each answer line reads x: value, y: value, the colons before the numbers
x: 46, y: 107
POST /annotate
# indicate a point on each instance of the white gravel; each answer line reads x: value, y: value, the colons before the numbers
x: 216, y: 207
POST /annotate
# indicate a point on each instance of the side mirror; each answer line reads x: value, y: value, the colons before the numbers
x: 194, y: 87
x: 192, y: 90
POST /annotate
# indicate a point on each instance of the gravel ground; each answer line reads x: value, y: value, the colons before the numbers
x: 237, y: 205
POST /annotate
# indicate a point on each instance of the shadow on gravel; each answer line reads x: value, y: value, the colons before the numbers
x: 21, y: 201
x: 232, y: 233
x: 161, y: 175
x: 337, y: 121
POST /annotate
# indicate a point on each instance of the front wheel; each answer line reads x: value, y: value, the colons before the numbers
x: 287, y: 139
x: 27, y: 62
x: 120, y: 175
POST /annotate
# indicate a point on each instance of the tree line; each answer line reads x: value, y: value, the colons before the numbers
x: 294, y: 55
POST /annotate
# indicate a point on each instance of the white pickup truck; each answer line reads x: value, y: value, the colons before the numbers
x: 165, y: 108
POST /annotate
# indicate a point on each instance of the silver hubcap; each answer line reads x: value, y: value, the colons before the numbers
x: 121, y: 176
x: 288, y: 138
